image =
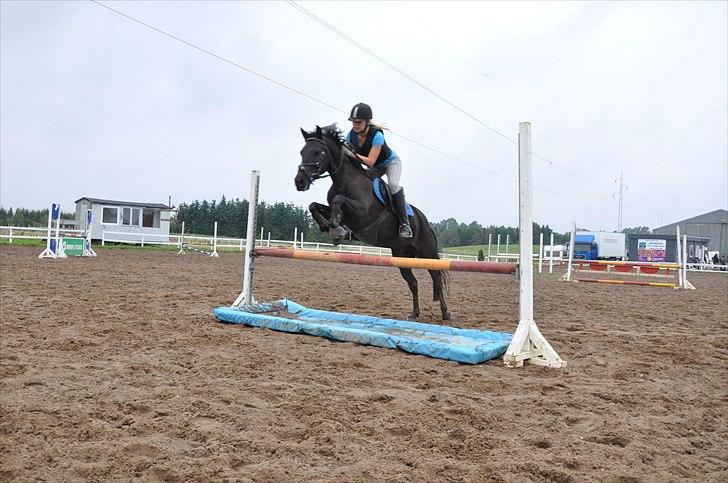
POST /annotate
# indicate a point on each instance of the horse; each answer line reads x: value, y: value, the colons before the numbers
x: 354, y: 212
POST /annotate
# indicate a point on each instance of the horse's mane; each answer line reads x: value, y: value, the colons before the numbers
x: 333, y: 133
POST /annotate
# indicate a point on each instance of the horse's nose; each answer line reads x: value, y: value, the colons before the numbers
x: 301, y: 181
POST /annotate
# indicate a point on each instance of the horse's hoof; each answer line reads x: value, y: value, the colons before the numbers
x: 446, y: 316
x: 412, y: 317
x: 338, y: 233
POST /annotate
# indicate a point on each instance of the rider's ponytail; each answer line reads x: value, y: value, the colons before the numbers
x: 383, y: 127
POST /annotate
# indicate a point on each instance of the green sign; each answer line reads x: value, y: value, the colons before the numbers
x: 73, y: 247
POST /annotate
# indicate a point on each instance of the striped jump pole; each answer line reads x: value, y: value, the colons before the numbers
x: 383, y: 261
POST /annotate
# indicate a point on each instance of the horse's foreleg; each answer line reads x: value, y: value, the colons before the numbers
x: 337, y: 210
x: 438, y: 291
x: 338, y: 232
x: 321, y: 214
x: 412, y: 283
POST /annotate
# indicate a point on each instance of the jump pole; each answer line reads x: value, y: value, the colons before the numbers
x: 246, y: 296
x: 214, y: 243
x: 551, y: 258
x: 88, y: 251
x: 182, y: 240
x: 540, y: 252
x: 53, y: 243
x: 528, y: 345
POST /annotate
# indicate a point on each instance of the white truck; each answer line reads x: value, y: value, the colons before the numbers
x: 610, y: 246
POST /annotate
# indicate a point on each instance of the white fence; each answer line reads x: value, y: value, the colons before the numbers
x: 223, y: 243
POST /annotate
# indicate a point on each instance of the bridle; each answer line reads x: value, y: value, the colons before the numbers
x: 319, y: 174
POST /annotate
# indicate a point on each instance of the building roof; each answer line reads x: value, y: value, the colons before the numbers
x: 715, y: 216
x: 101, y: 201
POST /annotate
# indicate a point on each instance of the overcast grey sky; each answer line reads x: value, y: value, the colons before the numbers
x: 95, y: 104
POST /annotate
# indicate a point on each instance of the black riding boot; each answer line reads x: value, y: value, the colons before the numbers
x: 401, y: 208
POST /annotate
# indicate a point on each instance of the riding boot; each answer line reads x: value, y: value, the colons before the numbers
x: 400, y: 207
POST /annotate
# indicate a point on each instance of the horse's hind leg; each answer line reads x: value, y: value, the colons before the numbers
x: 412, y: 283
x: 438, y: 291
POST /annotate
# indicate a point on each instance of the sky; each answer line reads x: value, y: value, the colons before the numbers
x: 94, y: 103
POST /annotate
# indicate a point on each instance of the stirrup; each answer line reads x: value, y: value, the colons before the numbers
x: 405, y: 231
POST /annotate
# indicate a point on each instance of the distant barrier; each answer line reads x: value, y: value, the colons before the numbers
x: 57, y: 247
x: 677, y: 271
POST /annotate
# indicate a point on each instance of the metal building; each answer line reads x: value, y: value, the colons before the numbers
x: 712, y: 225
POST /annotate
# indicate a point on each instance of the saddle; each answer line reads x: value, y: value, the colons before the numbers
x: 381, y: 191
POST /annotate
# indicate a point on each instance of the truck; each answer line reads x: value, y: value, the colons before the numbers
x: 599, y: 245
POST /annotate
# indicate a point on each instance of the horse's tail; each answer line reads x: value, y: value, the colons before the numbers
x: 444, y: 274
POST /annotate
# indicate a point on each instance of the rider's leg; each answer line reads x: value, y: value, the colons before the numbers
x: 394, y: 171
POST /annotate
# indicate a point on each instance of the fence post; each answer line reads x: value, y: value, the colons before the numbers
x: 142, y: 240
x: 103, y: 236
x: 508, y: 243
x: 497, y: 248
x: 11, y: 234
x: 490, y: 241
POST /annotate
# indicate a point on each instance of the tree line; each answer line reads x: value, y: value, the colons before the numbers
x: 26, y: 217
x: 280, y: 220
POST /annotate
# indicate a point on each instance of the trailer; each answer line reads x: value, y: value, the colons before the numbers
x: 600, y: 245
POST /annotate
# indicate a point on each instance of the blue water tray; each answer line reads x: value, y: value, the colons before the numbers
x: 462, y: 345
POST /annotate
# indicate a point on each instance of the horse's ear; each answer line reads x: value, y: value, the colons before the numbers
x: 305, y: 134
x: 318, y: 131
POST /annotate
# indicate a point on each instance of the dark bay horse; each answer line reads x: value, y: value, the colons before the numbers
x: 354, y: 211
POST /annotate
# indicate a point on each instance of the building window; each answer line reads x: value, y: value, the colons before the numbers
x: 135, y: 216
x: 110, y: 216
x: 148, y: 218
x: 126, y: 216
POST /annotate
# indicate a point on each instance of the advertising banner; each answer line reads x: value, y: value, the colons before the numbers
x: 651, y: 250
x: 73, y: 246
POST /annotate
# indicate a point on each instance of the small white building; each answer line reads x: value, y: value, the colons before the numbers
x: 124, y: 220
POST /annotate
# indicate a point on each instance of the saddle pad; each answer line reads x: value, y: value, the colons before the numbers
x: 382, y: 194
x: 462, y: 345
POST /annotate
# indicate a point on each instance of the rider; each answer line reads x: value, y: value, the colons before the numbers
x: 367, y: 141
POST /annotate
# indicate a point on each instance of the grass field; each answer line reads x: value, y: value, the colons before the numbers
x: 473, y: 249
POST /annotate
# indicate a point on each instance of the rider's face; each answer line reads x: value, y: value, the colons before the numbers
x: 358, y: 125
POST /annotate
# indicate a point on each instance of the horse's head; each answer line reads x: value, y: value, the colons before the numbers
x: 316, y: 158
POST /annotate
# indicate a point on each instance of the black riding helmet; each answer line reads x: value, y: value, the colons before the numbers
x: 361, y: 111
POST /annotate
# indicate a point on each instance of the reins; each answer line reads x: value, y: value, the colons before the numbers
x: 319, y: 175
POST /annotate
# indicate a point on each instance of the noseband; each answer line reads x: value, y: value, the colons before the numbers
x: 319, y: 174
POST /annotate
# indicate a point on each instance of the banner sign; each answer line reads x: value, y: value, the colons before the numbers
x: 651, y: 250
x: 73, y: 247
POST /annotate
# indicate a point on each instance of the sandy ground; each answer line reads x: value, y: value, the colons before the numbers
x: 114, y: 368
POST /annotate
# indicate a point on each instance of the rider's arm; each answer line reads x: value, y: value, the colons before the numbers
x: 372, y: 158
x: 377, y: 144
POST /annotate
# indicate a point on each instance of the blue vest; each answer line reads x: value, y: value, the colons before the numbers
x: 364, y: 149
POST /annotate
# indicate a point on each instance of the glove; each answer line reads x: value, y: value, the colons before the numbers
x: 349, y: 146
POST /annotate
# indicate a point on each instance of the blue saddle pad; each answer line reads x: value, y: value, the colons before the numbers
x: 383, y: 195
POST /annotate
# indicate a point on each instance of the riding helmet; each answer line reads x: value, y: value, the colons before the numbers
x: 361, y: 111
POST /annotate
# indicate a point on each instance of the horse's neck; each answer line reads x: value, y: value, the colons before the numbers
x: 347, y: 174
